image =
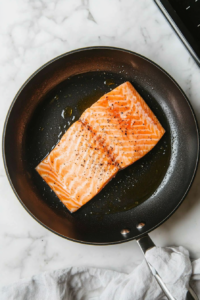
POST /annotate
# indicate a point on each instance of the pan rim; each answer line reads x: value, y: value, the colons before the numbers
x: 82, y: 50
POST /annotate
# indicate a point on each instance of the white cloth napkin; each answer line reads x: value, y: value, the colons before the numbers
x: 172, y: 264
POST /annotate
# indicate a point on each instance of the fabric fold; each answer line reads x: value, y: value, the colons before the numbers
x: 78, y: 283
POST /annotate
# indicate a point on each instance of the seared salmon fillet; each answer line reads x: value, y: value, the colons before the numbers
x: 125, y: 124
x: 113, y: 133
x: 78, y: 167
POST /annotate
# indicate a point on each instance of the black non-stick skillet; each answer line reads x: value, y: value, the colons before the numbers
x: 142, y: 196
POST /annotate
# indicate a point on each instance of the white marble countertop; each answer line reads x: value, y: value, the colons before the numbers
x: 33, y: 32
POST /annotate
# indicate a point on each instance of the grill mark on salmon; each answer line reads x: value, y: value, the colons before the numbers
x: 113, y: 133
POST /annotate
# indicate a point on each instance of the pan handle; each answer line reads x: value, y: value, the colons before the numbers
x: 146, y: 244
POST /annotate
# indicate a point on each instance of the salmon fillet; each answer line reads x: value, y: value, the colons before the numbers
x: 113, y: 133
x: 125, y: 124
x: 78, y: 167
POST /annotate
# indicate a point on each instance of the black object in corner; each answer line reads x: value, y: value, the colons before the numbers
x: 184, y: 17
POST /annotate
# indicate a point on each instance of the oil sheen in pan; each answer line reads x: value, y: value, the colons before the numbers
x: 63, y: 106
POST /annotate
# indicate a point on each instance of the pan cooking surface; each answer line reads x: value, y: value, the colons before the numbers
x: 64, y: 105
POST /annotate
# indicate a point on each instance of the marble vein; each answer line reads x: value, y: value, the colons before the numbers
x: 33, y: 32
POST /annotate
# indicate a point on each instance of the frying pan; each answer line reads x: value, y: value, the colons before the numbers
x: 142, y: 196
